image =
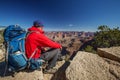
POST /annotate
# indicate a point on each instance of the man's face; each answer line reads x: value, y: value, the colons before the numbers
x: 41, y: 28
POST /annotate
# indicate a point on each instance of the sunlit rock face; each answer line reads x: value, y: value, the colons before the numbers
x: 89, y: 66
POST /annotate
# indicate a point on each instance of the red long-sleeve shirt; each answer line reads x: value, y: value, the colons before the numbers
x: 37, y: 39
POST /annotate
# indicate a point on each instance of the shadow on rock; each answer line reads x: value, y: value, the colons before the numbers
x: 64, y: 51
x: 2, y: 69
x: 60, y: 74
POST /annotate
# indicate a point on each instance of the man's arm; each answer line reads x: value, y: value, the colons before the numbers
x: 46, y: 42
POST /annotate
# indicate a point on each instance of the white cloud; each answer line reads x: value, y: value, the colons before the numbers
x: 71, y: 25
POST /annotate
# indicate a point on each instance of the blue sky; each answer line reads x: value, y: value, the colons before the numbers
x: 64, y: 15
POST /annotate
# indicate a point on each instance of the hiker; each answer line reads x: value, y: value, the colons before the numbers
x: 37, y: 41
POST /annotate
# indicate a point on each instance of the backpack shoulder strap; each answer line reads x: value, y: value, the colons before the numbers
x: 33, y: 54
x: 29, y: 32
x: 28, y: 61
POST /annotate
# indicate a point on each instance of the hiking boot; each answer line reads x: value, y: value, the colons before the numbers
x: 50, y: 71
x: 59, y: 59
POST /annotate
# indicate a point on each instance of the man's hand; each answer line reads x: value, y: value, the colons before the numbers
x: 61, y: 48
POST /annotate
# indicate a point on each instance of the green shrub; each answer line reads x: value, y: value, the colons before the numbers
x: 89, y: 49
x: 104, y: 37
x: 107, y: 37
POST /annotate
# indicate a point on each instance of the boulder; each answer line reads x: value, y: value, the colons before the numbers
x: 88, y: 66
x: 112, y: 53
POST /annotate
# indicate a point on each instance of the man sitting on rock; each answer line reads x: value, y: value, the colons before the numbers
x: 37, y: 40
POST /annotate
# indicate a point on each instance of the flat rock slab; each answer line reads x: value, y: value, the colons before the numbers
x: 22, y: 75
x: 36, y: 75
x: 112, y: 53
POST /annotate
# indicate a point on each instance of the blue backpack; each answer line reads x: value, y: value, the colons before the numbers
x: 14, y: 40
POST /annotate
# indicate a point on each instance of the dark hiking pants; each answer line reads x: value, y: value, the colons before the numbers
x: 51, y: 56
